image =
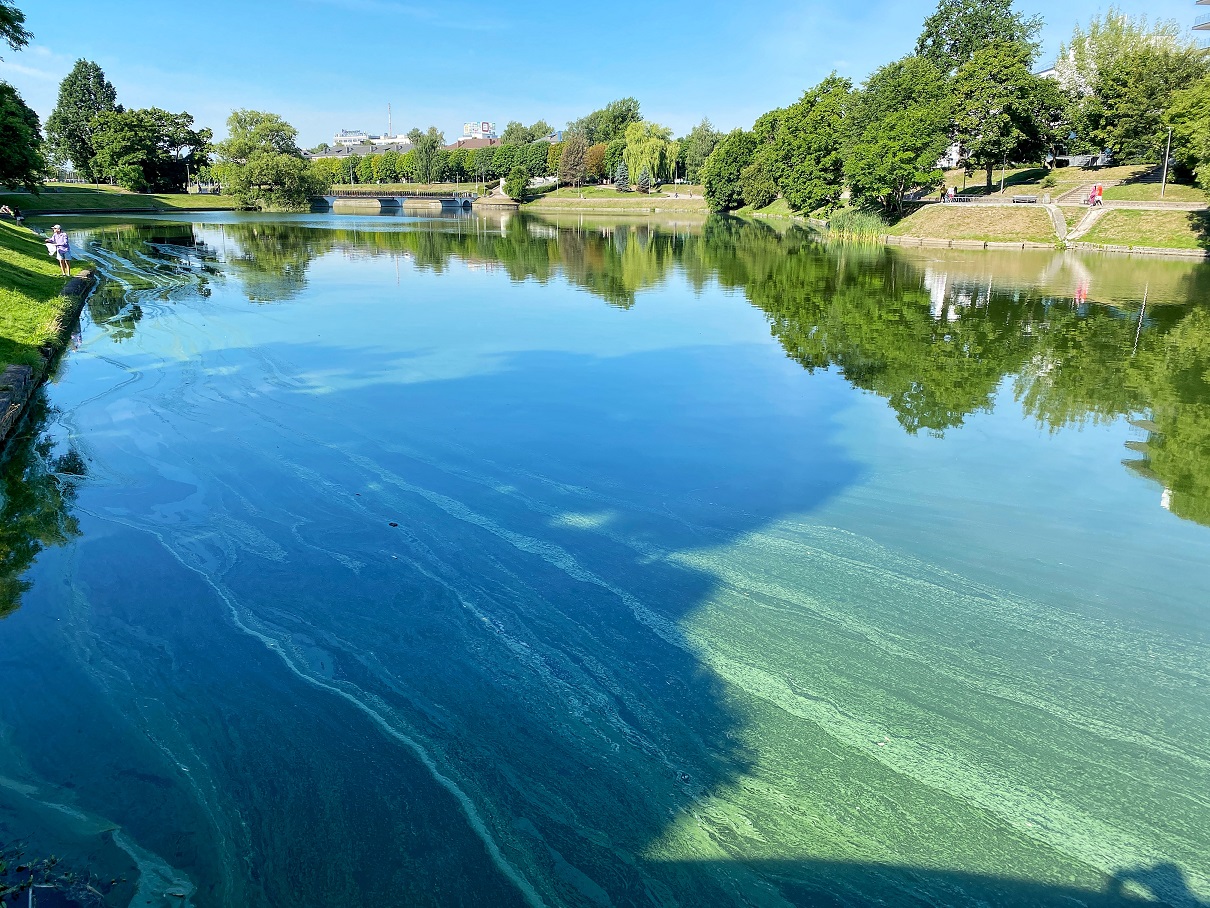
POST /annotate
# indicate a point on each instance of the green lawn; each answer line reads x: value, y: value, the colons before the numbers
x: 413, y: 187
x: 988, y: 223
x: 1150, y: 192
x: 1158, y: 229
x: 30, y: 303
x: 606, y: 197
x: 64, y: 197
x: 1028, y: 180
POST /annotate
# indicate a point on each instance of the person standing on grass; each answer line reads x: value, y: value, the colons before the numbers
x: 62, y: 250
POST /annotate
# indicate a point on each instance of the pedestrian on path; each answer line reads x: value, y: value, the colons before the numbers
x: 62, y: 250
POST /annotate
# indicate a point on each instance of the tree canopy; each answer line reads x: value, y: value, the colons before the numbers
x: 649, y: 147
x: 608, y: 123
x: 83, y: 95
x: 21, y: 161
x: 260, y: 162
x: 959, y: 29
x: 898, y: 130
x: 149, y: 150
x: 12, y: 26
x: 724, y: 168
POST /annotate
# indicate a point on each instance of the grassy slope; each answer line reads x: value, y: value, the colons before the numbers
x: 1150, y: 192
x: 30, y: 303
x: 608, y: 197
x: 1028, y: 181
x: 1159, y: 229
x: 73, y: 197
x: 977, y: 222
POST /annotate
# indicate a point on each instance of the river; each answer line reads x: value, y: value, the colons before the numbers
x: 446, y: 561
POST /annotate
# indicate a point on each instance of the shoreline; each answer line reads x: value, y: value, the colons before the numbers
x: 20, y: 382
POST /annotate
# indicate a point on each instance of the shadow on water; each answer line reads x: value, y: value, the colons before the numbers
x: 527, y: 626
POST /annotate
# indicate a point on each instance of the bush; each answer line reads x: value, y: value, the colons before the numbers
x: 517, y: 182
x: 130, y: 176
x: 1049, y: 181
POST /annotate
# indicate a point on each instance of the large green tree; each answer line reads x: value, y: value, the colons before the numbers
x: 805, y: 153
x: 696, y: 147
x: 12, y: 26
x: 426, y: 146
x: 1131, y: 95
x: 149, y: 150
x: 21, y: 161
x: 723, y: 171
x: 649, y: 146
x: 260, y: 162
x: 958, y: 29
x: 1189, y: 117
x: 83, y: 95
x: 994, y: 114
x: 608, y: 123
x: 573, y: 166
x: 898, y: 130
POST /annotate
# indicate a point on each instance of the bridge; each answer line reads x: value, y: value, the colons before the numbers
x: 398, y: 199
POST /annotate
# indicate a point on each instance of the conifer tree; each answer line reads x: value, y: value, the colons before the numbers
x: 621, y: 178
x: 644, y: 180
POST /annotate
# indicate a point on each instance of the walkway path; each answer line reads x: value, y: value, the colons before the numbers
x: 1058, y: 219
x: 1087, y: 223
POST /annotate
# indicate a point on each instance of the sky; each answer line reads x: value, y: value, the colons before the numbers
x: 327, y: 65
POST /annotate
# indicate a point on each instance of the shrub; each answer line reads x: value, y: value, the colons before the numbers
x: 517, y: 182
x: 1049, y: 181
x: 856, y: 225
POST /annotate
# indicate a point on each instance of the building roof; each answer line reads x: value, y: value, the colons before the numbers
x: 473, y: 144
x: 356, y: 151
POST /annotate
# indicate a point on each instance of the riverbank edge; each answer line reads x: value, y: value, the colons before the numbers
x: 935, y: 242
x: 19, y: 383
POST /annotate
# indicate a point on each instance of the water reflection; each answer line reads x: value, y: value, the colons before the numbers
x: 1076, y: 340
x: 37, y: 488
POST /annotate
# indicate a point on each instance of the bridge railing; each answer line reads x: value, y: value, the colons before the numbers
x: 368, y: 192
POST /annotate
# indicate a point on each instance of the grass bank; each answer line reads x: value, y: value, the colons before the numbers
x: 66, y: 198
x: 30, y: 302
x: 1186, y: 230
x: 606, y: 198
x: 985, y: 223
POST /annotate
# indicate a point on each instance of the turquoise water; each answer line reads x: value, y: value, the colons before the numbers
x: 392, y: 561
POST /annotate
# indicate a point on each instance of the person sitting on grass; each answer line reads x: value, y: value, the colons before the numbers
x: 62, y: 250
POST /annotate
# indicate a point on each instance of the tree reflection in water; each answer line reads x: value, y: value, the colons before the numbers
x: 37, y: 488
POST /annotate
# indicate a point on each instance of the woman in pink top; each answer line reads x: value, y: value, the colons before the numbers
x: 62, y: 250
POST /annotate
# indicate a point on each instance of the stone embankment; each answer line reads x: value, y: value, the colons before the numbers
x: 18, y: 383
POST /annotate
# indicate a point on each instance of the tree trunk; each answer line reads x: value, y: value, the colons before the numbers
x: 990, y: 167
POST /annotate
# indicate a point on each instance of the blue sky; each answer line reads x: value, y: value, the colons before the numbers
x: 332, y: 64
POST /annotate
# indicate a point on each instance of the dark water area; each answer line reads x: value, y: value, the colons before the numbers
x: 512, y: 561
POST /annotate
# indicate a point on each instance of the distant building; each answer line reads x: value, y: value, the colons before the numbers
x: 349, y: 138
x: 357, y: 151
x: 1202, y: 22
x: 473, y: 144
x: 480, y: 130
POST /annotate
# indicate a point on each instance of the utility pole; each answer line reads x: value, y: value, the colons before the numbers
x: 1167, y: 153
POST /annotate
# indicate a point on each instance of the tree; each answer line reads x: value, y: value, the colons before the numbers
x: 621, y: 178
x: 644, y: 182
x: 993, y: 114
x: 1125, y: 112
x: 12, y: 26
x: 958, y: 29
x: 515, y: 133
x: 517, y: 182
x: 425, y: 147
x: 386, y: 167
x: 722, y: 171
x: 609, y: 123
x: 803, y: 154
x: 649, y: 146
x: 594, y: 162
x: 260, y: 162
x: 149, y: 150
x: 1106, y: 40
x: 83, y: 94
x: 697, y: 146
x: 540, y: 130
x: 573, y: 168
x: 482, y: 162
x: 21, y: 161
x: 898, y: 130
x: 365, y: 168
x: 757, y: 185
x: 554, y: 153
x: 505, y: 160
x: 1189, y: 117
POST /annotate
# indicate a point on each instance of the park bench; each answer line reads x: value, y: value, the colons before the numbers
x: 963, y: 198
x: 1025, y: 199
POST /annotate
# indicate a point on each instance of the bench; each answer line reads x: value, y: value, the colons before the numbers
x: 963, y: 198
x: 1025, y: 199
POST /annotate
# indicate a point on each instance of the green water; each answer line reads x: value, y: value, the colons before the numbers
x: 464, y: 561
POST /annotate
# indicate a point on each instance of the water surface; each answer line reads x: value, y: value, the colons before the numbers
x: 461, y: 561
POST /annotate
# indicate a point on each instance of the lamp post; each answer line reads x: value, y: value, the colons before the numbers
x: 1167, y: 154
